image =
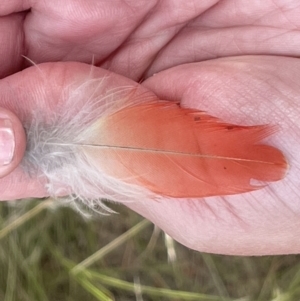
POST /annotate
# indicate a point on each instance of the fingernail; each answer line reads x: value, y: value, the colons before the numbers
x: 7, y: 142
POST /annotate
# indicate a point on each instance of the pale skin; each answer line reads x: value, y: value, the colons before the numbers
x: 243, y: 68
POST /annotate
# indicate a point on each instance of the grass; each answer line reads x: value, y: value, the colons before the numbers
x: 50, y: 252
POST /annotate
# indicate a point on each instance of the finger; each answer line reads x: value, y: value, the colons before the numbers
x: 101, y: 27
x: 12, y: 142
x: 12, y: 41
x: 232, y: 29
x: 39, y: 93
x: 244, y: 90
x: 162, y: 25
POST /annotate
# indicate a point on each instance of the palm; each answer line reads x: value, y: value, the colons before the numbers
x: 139, y: 38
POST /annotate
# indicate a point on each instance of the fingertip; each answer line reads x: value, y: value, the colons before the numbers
x: 12, y: 142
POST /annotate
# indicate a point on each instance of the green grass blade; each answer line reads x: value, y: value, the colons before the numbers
x: 111, y: 246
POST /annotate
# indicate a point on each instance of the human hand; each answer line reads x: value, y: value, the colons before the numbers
x: 140, y: 38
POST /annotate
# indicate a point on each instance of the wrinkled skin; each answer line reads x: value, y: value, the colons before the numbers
x: 242, y: 67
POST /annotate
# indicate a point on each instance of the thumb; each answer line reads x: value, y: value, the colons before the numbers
x: 12, y: 142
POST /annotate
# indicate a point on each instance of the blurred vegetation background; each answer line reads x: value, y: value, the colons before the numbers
x: 51, y: 252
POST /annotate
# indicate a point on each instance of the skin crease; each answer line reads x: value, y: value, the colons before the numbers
x: 237, y: 60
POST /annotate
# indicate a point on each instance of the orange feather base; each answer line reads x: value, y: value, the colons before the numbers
x: 182, y: 153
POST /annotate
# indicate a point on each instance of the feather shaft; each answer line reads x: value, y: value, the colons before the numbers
x: 159, y: 151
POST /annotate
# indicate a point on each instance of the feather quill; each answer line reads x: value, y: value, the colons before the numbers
x: 124, y: 150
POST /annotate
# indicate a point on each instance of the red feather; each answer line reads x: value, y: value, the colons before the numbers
x: 180, y: 152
